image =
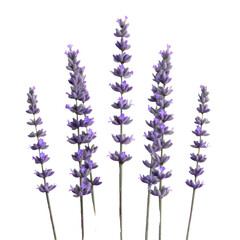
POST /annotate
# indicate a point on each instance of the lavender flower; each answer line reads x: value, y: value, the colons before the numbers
x: 199, y: 144
x: 122, y: 72
x: 40, y: 145
x: 80, y: 94
x: 158, y: 132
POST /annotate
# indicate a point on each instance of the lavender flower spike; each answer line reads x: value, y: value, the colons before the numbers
x: 83, y: 156
x: 198, y: 158
x: 40, y: 145
x: 121, y: 72
x: 158, y: 133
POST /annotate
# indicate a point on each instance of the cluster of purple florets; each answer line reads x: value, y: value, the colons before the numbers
x: 123, y: 104
x: 199, y: 132
x: 159, y: 129
x: 40, y: 145
x: 83, y: 156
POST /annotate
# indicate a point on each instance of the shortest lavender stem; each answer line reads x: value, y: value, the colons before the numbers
x: 41, y: 145
x: 198, y: 158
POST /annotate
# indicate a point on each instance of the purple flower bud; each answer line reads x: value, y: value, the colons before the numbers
x: 122, y: 72
x: 196, y: 171
x: 122, y: 58
x: 148, y: 180
x: 81, y: 155
x: 122, y: 45
x: 149, y: 165
x: 89, y: 164
x: 35, y: 122
x: 120, y: 157
x: 163, y: 193
x: 41, y: 159
x: 121, y: 120
x: 122, y: 88
x: 159, y: 173
x: 92, y: 149
x: 193, y: 185
x: 40, y: 145
x: 45, y: 173
x: 152, y: 149
x: 122, y: 104
x: 200, y: 121
x: 82, y: 190
x: 96, y: 181
x: 123, y: 139
x: 203, y: 108
x: 161, y: 159
x: 200, y: 144
x: 85, y: 137
x: 46, y: 188
x: 198, y: 157
x: 123, y: 31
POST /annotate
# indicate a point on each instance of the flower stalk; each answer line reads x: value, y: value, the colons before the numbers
x: 122, y: 72
x: 83, y: 156
x: 198, y: 158
x: 42, y: 157
x: 156, y: 136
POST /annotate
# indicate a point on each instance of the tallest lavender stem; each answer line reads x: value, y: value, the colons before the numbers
x: 121, y: 104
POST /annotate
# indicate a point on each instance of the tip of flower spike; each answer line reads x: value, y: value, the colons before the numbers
x: 203, y: 88
x: 70, y: 47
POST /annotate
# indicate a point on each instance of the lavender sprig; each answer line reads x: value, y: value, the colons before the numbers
x: 122, y: 72
x: 198, y: 158
x: 40, y: 145
x: 83, y: 156
x: 156, y: 136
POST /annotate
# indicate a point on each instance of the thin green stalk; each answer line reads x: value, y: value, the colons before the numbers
x: 160, y: 211
x: 120, y: 198
x: 47, y: 197
x: 160, y: 202
x: 190, y: 217
x: 147, y: 215
x: 91, y: 179
x: 93, y: 199
x: 80, y: 182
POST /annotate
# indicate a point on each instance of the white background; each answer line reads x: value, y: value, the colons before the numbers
x: 204, y: 36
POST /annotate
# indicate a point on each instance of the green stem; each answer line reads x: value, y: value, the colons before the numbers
x: 93, y: 199
x: 160, y: 203
x: 190, y: 217
x: 147, y: 215
x: 160, y: 211
x: 80, y: 182
x: 91, y: 179
x: 120, y: 198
